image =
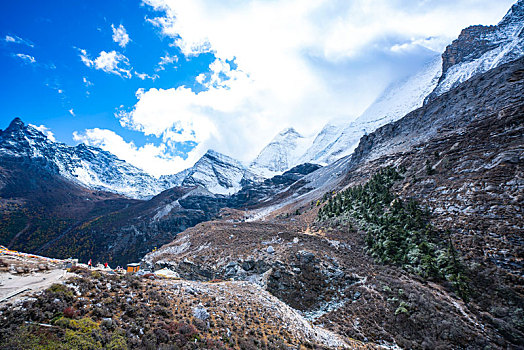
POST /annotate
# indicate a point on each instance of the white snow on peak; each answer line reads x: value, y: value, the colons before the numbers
x: 218, y: 173
x: 97, y: 169
x: 505, y: 43
x: 398, y: 99
x: 281, y: 154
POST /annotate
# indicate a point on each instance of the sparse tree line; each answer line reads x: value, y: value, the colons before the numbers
x: 398, y: 232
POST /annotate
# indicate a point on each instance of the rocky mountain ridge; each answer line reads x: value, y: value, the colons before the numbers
x: 481, y: 48
x: 461, y: 156
x: 100, y: 170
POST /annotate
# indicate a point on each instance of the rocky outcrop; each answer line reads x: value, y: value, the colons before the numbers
x: 267, y: 191
x: 481, y: 48
x: 295, y: 268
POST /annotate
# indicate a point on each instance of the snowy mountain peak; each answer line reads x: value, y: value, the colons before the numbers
x: 481, y: 48
x: 515, y: 15
x: 218, y: 173
x: 398, y: 99
x: 219, y: 157
x: 87, y: 166
x: 97, y: 169
x: 289, y: 132
x: 281, y: 154
x: 15, y: 124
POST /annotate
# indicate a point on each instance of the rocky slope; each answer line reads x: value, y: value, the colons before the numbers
x: 100, y: 310
x: 481, y: 48
x: 472, y: 137
x: 462, y: 157
x: 264, y: 193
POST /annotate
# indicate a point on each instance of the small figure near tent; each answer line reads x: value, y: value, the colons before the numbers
x: 90, y: 263
x: 106, y: 266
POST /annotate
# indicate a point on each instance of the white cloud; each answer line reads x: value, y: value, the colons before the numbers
x: 150, y: 158
x: 45, y: 130
x: 144, y: 76
x: 18, y: 40
x: 26, y: 58
x: 110, y: 62
x: 72, y: 112
x: 86, y: 82
x: 296, y: 63
x: 166, y: 60
x: 120, y: 35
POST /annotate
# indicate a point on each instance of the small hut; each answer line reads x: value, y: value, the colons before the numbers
x: 132, y: 268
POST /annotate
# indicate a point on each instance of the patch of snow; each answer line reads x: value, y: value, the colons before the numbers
x: 400, y: 98
x: 281, y: 154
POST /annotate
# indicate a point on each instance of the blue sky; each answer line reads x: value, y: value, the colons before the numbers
x: 159, y: 82
x: 44, y: 91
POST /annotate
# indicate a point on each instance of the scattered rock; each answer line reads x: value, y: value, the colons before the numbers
x: 200, y: 312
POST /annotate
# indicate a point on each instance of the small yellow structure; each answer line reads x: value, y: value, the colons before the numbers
x: 132, y: 268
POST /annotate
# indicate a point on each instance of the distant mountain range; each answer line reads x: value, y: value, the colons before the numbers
x: 97, y: 169
x: 476, y: 50
x: 81, y: 175
x: 409, y: 237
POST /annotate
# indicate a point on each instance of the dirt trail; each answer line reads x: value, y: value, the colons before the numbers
x: 13, y: 287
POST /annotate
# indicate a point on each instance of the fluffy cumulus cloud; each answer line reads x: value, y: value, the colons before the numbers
x: 45, y: 130
x: 154, y: 159
x: 291, y: 63
x: 110, y: 62
x: 120, y: 35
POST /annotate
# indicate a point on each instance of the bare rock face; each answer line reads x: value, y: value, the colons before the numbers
x: 471, y: 44
x: 481, y: 48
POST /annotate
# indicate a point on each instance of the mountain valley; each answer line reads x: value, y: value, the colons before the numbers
x: 403, y: 229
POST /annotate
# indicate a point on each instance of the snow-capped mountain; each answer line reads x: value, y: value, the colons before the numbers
x: 477, y: 50
x: 281, y: 154
x: 88, y: 166
x: 218, y: 173
x: 97, y: 169
x: 400, y: 98
x: 320, y: 146
x: 481, y: 48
